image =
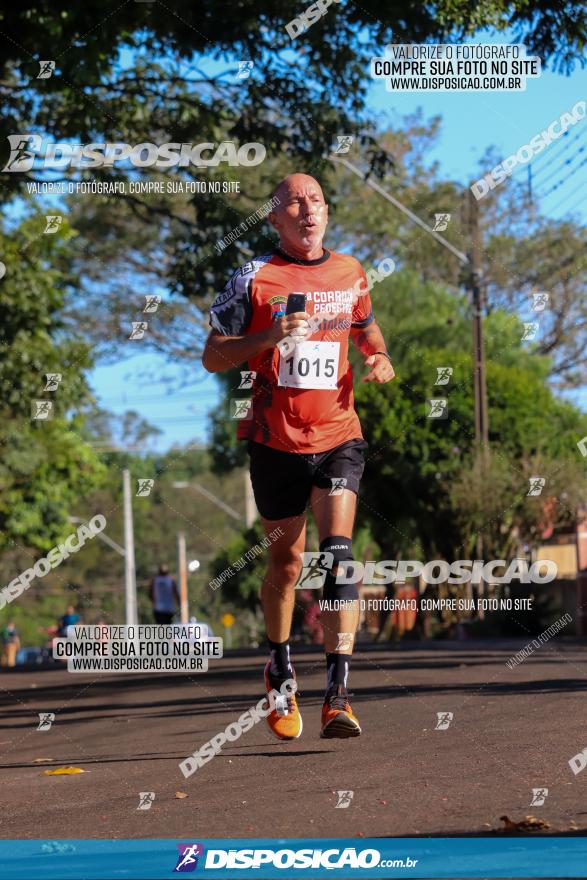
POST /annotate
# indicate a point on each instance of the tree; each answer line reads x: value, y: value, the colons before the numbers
x: 523, y: 252
x: 144, y: 76
x: 46, y: 464
x: 142, y: 67
x: 419, y: 468
x: 93, y: 579
x: 492, y: 498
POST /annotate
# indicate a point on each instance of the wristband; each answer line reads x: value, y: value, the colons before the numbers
x: 384, y: 353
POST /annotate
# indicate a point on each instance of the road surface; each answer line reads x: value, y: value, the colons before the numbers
x: 512, y: 730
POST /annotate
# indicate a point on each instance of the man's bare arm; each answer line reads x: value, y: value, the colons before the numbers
x: 226, y: 352
x: 370, y: 342
x: 368, y: 339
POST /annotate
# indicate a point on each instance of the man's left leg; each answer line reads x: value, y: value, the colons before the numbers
x: 334, y: 516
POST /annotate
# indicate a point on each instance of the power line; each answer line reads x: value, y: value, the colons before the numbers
x: 560, y: 167
x: 563, y: 180
x: 558, y: 153
x: 581, y: 199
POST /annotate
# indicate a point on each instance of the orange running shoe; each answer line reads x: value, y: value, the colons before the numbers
x: 338, y: 721
x: 285, y: 721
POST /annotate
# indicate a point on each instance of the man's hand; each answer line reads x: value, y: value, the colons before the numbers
x: 294, y: 325
x: 381, y: 369
x: 223, y: 352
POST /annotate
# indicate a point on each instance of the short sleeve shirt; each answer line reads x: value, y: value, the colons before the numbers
x: 319, y: 414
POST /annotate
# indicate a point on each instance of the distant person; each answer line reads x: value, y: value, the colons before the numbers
x: 70, y: 618
x: 10, y: 644
x: 164, y: 596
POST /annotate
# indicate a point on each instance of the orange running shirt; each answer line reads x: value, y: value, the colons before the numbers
x: 302, y: 401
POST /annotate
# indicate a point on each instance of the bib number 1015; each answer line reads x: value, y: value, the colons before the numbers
x: 310, y: 365
x: 304, y: 366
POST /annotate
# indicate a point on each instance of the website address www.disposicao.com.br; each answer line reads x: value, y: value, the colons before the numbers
x: 329, y: 859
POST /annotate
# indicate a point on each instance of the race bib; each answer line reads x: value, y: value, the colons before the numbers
x: 310, y: 365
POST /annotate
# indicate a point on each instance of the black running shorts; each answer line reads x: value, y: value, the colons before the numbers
x: 282, y: 481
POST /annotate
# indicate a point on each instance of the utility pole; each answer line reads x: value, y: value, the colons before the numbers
x: 479, y: 379
x: 474, y: 284
x: 183, y: 577
x: 130, y: 576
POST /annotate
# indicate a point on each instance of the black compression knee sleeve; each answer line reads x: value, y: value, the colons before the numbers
x: 342, y: 551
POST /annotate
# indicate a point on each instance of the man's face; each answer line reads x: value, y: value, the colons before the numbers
x: 302, y: 215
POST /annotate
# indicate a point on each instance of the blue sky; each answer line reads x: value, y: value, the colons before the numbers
x: 472, y: 122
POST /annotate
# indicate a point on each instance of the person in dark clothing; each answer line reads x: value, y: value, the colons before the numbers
x: 164, y: 596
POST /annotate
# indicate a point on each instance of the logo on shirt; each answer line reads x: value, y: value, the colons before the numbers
x: 332, y: 302
x: 278, y: 304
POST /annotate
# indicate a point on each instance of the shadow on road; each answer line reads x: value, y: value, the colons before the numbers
x: 114, y: 705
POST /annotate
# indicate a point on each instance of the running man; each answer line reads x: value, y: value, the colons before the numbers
x: 303, y: 435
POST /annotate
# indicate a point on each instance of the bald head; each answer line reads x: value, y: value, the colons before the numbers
x: 292, y: 181
x: 301, y: 216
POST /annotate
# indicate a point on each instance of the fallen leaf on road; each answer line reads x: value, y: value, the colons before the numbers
x: 180, y: 794
x: 63, y: 771
x: 530, y: 823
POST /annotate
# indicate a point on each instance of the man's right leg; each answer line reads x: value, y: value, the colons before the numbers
x: 285, y: 565
x: 277, y: 599
x: 282, y: 484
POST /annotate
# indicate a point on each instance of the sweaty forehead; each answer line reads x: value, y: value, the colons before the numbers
x: 299, y: 184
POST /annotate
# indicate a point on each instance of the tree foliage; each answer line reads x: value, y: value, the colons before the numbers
x: 139, y: 68
x: 45, y: 464
x: 419, y: 467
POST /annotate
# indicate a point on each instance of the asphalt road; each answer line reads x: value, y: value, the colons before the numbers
x: 512, y: 731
